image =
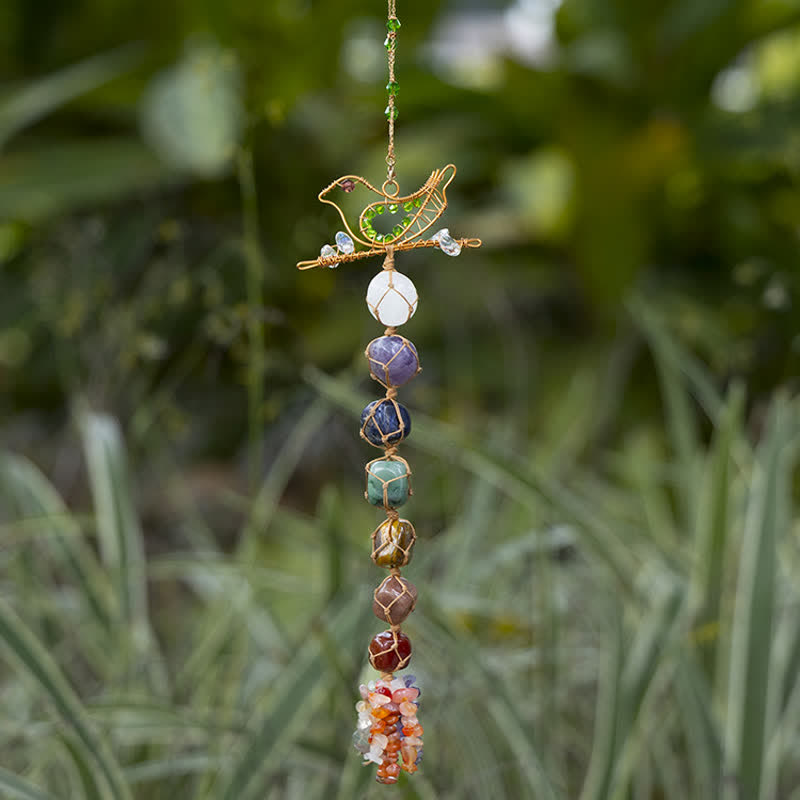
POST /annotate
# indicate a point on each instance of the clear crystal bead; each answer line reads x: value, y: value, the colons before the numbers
x: 344, y: 243
x: 361, y: 741
x: 328, y: 251
x: 446, y: 242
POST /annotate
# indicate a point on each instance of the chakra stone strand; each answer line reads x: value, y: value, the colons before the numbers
x: 388, y: 732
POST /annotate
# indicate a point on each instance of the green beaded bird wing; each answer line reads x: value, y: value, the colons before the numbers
x: 414, y: 214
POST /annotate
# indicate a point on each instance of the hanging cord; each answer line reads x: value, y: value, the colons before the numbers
x: 392, y: 25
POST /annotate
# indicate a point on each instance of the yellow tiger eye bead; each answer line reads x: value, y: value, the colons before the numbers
x: 392, y: 543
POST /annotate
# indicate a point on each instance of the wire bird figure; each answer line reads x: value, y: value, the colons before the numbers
x: 419, y: 210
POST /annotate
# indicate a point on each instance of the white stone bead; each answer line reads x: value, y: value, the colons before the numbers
x: 392, y: 298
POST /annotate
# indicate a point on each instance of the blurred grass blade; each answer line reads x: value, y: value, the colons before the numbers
x: 118, y: 529
x: 36, y: 663
x: 32, y: 496
x: 702, y: 734
x: 60, y: 176
x: 43, y: 96
x: 681, y: 419
x: 604, y: 747
x: 501, y: 703
x: 711, y: 538
x: 668, y: 351
x: 294, y: 698
x: 748, y: 716
x: 16, y: 788
x: 161, y: 768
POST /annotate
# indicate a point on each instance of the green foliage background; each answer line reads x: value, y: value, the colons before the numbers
x: 604, y: 434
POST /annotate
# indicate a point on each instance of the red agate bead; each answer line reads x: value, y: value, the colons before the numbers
x: 390, y: 650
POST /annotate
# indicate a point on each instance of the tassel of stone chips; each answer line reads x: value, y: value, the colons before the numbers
x: 388, y: 732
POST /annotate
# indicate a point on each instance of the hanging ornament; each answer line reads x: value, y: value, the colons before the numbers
x: 388, y: 731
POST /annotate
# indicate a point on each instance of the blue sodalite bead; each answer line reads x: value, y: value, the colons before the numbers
x: 393, y: 360
x: 385, y: 422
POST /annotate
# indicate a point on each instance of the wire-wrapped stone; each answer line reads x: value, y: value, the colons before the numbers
x: 393, y: 543
x: 388, y: 482
x: 390, y: 651
x: 394, y: 599
x: 393, y: 360
x: 392, y: 298
x: 385, y: 422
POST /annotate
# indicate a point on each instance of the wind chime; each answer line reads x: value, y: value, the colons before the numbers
x: 388, y: 731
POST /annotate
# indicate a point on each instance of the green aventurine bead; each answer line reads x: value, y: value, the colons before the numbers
x: 393, y: 24
x: 369, y: 213
x: 393, y: 87
x: 408, y: 205
x: 387, y: 483
x: 417, y: 202
x: 406, y: 221
x: 397, y: 230
x: 393, y: 208
x: 379, y: 209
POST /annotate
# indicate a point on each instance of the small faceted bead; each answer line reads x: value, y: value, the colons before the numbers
x: 389, y: 651
x: 392, y: 297
x: 393, y: 543
x: 385, y: 422
x: 387, y: 482
x: 394, y: 600
x: 348, y: 185
x: 393, y: 24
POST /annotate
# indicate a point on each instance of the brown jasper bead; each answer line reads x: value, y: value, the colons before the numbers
x: 394, y: 599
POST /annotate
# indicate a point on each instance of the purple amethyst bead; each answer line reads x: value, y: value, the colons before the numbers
x: 393, y: 360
